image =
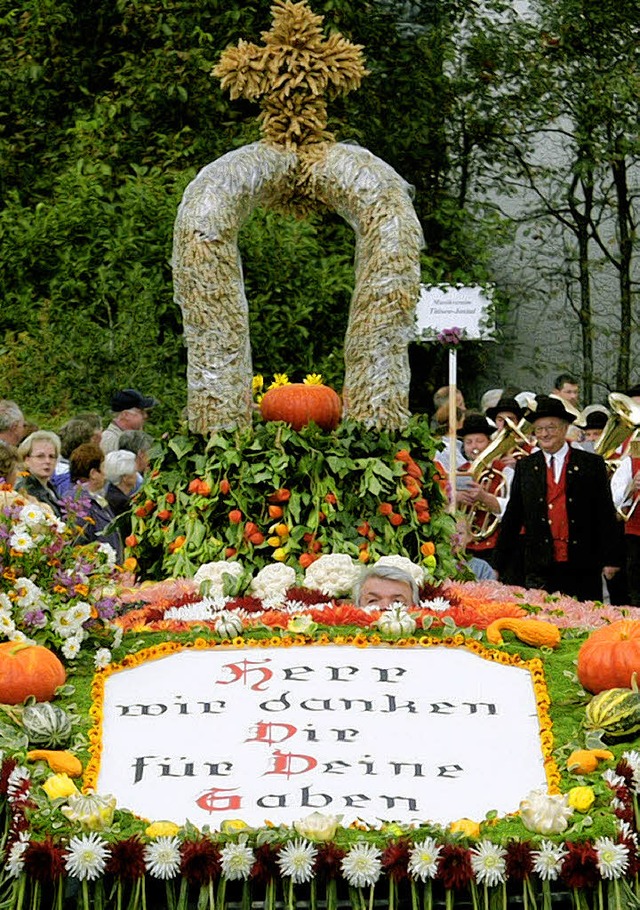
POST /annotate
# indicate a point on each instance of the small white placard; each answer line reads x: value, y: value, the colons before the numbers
x: 466, y: 308
x: 267, y: 733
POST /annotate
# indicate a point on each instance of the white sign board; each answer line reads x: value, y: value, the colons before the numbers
x: 465, y: 308
x: 268, y: 733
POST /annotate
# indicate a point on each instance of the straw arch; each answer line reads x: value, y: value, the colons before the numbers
x: 209, y: 286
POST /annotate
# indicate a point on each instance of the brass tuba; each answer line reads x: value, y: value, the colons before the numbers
x: 623, y: 425
x: 511, y: 439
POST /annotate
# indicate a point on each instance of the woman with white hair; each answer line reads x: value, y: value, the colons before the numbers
x: 120, y: 471
x: 40, y: 452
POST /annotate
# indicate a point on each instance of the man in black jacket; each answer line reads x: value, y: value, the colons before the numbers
x: 560, y: 512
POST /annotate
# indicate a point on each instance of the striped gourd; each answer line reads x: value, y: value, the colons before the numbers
x: 616, y: 712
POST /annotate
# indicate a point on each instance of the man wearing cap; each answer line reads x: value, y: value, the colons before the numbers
x: 130, y: 411
x: 561, y: 510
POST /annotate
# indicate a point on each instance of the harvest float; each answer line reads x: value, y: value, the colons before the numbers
x: 230, y: 727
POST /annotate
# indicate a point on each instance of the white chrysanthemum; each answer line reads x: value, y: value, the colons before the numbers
x: 626, y: 832
x: 102, y: 658
x: 334, y: 574
x: 213, y: 573
x: 488, y: 863
x: 5, y: 603
x: 272, y: 582
x: 362, y: 865
x: 64, y: 625
x: 633, y: 760
x: 296, y: 860
x: 32, y: 515
x: 236, y: 861
x: 547, y: 861
x: 109, y: 553
x: 423, y: 859
x: 613, y: 858
x: 405, y: 564
x: 15, y: 858
x: 437, y: 604
x: 21, y: 540
x: 16, y: 781
x: 17, y: 635
x: 29, y: 594
x: 71, y: 647
x: 614, y: 780
x: 86, y: 856
x: 162, y: 857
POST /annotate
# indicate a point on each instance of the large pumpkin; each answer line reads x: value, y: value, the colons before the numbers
x: 610, y: 656
x: 298, y: 404
x: 28, y: 670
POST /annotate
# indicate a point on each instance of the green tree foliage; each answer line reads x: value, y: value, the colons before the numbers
x: 109, y: 110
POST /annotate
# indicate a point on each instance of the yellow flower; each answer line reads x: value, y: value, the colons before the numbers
x: 278, y: 380
x: 274, y: 541
x: 59, y: 786
x: 232, y: 825
x: 280, y: 554
x: 466, y: 827
x: 257, y: 383
x: 581, y: 798
x: 312, y: 379
x: 162, y: 829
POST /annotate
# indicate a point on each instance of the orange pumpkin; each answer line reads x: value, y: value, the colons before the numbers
x: 610, y: 656
x: 298, y: 404
x: 28, y: 670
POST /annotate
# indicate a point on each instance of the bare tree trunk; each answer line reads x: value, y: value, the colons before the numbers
x: 581, y: 214
x: 625, y: 244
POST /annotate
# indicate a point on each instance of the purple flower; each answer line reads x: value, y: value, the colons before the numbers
x: 35, y: 618
x: 450, y: 337
x: 106, y: 608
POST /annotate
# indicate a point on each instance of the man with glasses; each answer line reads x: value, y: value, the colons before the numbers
x: 560, y: 511
x: 130, y: 411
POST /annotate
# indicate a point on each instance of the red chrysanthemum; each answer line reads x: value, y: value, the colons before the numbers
x: 265, y: 867
x: 327, y: 862
x: 307, y: 596
x: 624, y: 769
x: 633, y: 867
x: 44, y: 861
x: 395, y: 860
x: 344, y: 615
x: 248, y: 603
x: 625, y: 814
x: 580, y: 866
x: 519, y: 863
x: 126, y: 859
x: 8, y: 766
x: 200, y: 862
x: 622, y: 793
x: 454, y: 867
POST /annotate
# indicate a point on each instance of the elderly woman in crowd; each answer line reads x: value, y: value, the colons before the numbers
x: 40, y: 452
x: 86, y: 466
x: 120, y: 471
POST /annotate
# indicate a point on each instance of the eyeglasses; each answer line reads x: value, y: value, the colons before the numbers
x: 42, y: 456
x: 550, y: 430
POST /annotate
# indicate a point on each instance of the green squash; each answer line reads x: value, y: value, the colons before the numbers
x: 46, y: 725
x: 615, y: 713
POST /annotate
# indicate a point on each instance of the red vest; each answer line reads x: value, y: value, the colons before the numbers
x: 557, y: 511
x: 632, y: 525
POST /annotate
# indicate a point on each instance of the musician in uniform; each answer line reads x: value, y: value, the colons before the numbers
x: 560, y: 502
x: 482, y: 498
x: 625, y: 488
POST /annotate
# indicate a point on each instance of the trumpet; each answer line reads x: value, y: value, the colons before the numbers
x: 511, y: 440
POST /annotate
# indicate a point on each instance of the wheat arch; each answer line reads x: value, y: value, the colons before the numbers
x: 209, y: 287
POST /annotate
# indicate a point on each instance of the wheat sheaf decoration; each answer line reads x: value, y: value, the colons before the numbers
x: 292, y: 74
